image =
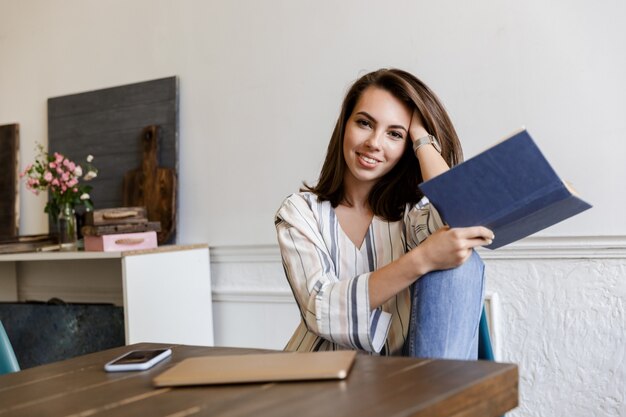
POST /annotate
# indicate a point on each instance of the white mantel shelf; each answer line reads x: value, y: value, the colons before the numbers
x: 83, y: 255
x: 166, y: 291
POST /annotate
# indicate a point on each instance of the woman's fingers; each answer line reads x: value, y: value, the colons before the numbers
x: 475, y: 232
x: 450, y: 247
x: 472, y: 243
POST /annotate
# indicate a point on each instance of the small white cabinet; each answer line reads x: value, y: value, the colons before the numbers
x: 165, y: 292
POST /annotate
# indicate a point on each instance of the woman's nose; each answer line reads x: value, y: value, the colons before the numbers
x: 373, y: 140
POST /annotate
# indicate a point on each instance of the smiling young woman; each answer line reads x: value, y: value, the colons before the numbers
x: 370, y: 263
x: 374, y: 138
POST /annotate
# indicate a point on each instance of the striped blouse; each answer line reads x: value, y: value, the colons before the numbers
x: 329, y: 275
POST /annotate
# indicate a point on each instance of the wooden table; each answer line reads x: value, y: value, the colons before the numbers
x: 376, y: 386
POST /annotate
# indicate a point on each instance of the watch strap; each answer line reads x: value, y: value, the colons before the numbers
x: 426, y: 140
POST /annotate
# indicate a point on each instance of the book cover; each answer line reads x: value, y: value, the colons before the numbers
x: 510, y: 188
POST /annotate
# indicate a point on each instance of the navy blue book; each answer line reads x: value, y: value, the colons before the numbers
x: 509, y: 188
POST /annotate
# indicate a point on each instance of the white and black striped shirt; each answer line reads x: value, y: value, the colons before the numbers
x: 329, y: 275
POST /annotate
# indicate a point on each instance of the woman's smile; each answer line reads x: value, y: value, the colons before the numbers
x: 367, y: 161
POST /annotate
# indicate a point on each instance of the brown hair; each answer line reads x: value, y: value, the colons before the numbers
x: 399, y: 186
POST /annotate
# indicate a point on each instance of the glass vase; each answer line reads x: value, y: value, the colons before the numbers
x: 67, y: 226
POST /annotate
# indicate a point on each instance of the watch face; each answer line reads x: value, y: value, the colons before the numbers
x: 435, y: 143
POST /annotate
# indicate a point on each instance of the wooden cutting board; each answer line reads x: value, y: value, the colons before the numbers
x: 9, y: 180
x: 152, y: 186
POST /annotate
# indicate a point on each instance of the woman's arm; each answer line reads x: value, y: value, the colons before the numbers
x: 445, y: 248
x: 430, y: 160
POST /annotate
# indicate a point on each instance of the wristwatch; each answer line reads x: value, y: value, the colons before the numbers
x: 427, y: 140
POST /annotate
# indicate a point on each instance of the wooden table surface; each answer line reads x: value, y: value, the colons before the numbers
x: 376, y: 386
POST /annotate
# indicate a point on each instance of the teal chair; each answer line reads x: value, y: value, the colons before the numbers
x: 8, y: 361
x: 485, y: 350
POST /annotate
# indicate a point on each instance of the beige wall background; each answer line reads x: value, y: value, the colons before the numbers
x: 261, y: 84
x: 260, y: 87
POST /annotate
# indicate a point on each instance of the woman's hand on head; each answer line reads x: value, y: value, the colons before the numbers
x: 416, y: 128
x: 450, y: 247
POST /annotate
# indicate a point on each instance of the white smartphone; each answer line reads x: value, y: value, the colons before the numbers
x: 137, y: 360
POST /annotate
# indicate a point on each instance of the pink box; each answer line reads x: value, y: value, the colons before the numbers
x: 121, y: 242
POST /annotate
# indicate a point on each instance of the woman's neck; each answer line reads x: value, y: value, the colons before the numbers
x: 356, y: 195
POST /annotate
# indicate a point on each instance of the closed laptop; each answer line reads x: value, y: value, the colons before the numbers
x: 266, y: 367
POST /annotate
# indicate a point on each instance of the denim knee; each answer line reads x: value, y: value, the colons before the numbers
x: 445, y: 311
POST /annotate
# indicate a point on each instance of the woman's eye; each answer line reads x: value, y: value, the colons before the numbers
x: 396, y: 135
x: 363, y: 123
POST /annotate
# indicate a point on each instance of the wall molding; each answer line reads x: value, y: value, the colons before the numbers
x: 253, y: 273
x: 252, y: 296
x: 244, y: 254
x: 558, y: 247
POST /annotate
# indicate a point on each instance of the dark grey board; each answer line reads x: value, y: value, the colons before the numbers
x: 107, y: 124
x: 42, y: 333
x: 9, y: 179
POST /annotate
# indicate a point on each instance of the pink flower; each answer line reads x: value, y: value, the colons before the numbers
x: 58, y: 175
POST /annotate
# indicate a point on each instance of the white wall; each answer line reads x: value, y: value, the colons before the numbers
x: 262, y: 81
x: 561, y: 317
x: 261, y: 84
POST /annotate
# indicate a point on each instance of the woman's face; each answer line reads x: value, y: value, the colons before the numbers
x: 375, y: 136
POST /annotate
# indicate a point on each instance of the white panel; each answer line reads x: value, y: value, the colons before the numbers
x: 73, y: 281
x: 259, y: 324
x: 492, y: 313
x: 8, y: 282
x: 168, y: 297
x: 273, y: 316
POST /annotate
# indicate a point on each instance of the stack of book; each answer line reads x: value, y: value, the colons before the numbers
x: 119, y: 229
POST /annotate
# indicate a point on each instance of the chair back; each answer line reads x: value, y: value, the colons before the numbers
x: 8, y: 361
x: 485, y: 350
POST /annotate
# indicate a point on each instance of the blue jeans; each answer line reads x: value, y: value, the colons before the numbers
x: 445, y: 312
